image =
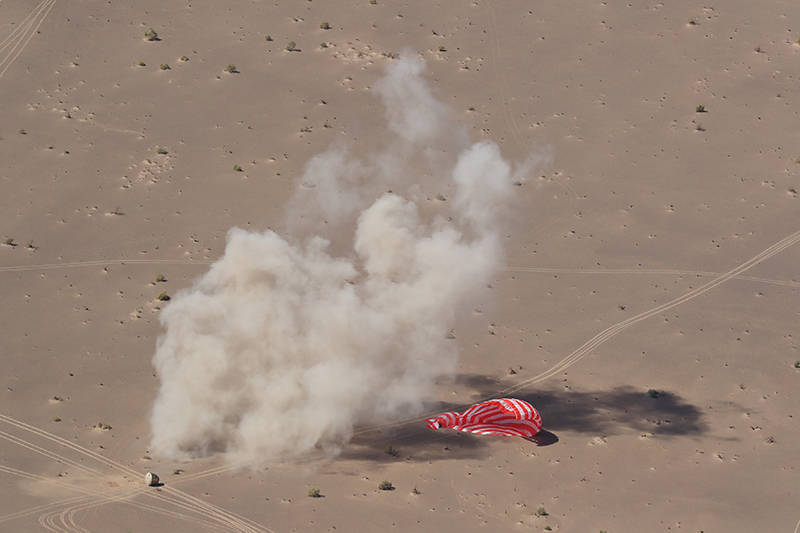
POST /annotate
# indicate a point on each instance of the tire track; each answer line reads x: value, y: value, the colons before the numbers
x: 615, y: 329
x: 652, y: 272
x: 220, y: 515
x: 22, y: 35
x: 612, y: 331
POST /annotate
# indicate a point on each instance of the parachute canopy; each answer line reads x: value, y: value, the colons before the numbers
x: 505, y: 416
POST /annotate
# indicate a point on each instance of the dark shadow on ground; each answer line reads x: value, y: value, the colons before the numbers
x: 622, y: 409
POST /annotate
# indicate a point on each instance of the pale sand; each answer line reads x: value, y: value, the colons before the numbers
x: 646, y: 201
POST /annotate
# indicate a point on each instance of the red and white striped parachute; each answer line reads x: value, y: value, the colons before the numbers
x: 506, y: 416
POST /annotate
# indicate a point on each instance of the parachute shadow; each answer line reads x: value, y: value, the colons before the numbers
x: 414, y: 442
x: 606, y: 412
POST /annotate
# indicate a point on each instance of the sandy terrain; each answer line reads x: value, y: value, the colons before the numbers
x: 656, y: 252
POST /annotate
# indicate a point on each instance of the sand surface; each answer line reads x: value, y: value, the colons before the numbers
x: 649, y: 237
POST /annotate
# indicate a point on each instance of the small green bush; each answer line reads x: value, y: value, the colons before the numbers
x: 151, y: 35
x: 231, y: 69
x: 163, y: 297
x: 164, y: 66
x: 291, y: 46
x: 141, y: 64
x: 324, y: 26
x: 797, y: 364
x: 385, y: 485
x: 161, y: 278
x: 442, y: 49
x: 184, y: 58
x: 653, y: 393
x: 373, y: 2
x: 237, y: 168
x: 700, y: 109
x: 268, y: 38
x: 323, y: 45
x: 10, y: 241
x: 541, y: 512
x: 162, y: 151
x: 548, y: 528
x: 314, y: 493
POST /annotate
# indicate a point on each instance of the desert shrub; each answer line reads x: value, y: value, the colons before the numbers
x: 797, y: 364
x: 314, y: 493
x: 291, y: 46
x: 324, y: 26
x: 391, y: 450
x: 151, y: 35
x: 162, y: 151
x: 231, y: 69
x: 184, y: 58
x: 541, y: 511
x: 700, y: 108
x: 268, y: 38
x: 164, y: 66
x: 163, y: 297
x: 385, y: 485
x: 237, y: 168
x: 653, y: 393
x: 161, y: 278
x: 141, y: 64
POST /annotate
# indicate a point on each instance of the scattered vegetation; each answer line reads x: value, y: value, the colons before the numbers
x: 391, y: 450
x: 184, y: 58
x: 653, y: 393
x: 541, y: 512
x: 291, y: 46
x: 10, y: 241
x: 324, y: 26
x: 314, y: 493
x: 548, y: 528
x: 161, y: 278
x: 231, y: 69
x: 162, y: 151
x: 700, y: 109
x: 103, y: 426
x: 164, y: 66
x: 268, y: 38
x: 141, y: 64
x: 385, y: 485
x: 237, y: 168
x: 151, y: 35
x: 163, y: 297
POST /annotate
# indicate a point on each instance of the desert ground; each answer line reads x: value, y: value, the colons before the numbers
x: 647, y: 304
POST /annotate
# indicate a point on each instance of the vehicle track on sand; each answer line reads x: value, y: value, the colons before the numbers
x: 18, y: 39
x: 173, y: 496
x: 47, y: 520
x: 615, y: 329
x: 650, y: 272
